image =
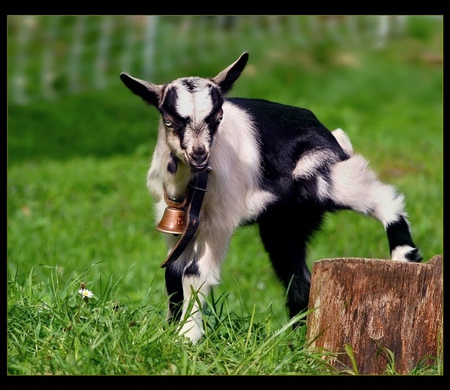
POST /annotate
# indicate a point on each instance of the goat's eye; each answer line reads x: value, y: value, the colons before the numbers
x: 167, y: 122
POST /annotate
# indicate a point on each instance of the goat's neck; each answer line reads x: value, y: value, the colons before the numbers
x: 176, y: 184
x: 159, y: 175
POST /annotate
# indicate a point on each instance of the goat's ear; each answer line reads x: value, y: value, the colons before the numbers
x: 228, y: 76
x: 147, y: 91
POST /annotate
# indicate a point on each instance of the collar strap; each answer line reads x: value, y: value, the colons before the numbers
x: 194, y: 201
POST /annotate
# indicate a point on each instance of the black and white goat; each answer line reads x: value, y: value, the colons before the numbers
x: 271, y: 163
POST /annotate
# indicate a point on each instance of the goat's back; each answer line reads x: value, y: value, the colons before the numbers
x: 286, y: 133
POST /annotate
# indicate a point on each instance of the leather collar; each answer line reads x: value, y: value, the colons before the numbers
x: 194, y: 200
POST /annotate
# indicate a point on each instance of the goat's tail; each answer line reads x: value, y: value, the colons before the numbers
x: 355, y: 186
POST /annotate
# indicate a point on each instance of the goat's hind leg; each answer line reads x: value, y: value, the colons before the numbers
x: 287, y: 251
x: 355, y: 186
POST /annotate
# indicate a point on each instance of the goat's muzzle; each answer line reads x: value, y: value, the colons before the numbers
x: 198, y: 159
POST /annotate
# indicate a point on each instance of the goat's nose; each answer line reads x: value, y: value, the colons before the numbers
x: 199, y: 154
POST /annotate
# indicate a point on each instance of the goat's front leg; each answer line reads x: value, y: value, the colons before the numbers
x: 173, y: 275
x: 199, y: 276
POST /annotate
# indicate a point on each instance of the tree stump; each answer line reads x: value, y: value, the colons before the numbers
x: 389, y: 312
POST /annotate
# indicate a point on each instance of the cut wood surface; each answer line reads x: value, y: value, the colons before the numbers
x: 375, y: 306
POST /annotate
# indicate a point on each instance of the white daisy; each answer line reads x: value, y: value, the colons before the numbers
x: 85, y: 293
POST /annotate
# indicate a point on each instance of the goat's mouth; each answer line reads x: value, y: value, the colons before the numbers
x: 197, y: 162
x: 198, y: 168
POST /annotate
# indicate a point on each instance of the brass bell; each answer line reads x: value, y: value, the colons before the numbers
x: 173, y: 220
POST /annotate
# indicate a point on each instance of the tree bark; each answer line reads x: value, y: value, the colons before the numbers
x: 390, y: 313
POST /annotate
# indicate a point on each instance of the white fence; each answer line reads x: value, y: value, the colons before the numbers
x: 49, y: 56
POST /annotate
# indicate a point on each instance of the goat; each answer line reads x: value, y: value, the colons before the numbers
x: 271, y: 163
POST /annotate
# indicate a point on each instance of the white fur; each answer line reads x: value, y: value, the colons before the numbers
x: 343, y: 140
x: 311, y: 161
x: 194, y: 104
x: 323, y: 188
x: 355, y: 185
x: 400, y: 252
x: 307, y: 166
x: 235, y: 161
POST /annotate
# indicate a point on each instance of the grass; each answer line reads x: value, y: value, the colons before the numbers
x: 78, y: 212
x: 108, y: 338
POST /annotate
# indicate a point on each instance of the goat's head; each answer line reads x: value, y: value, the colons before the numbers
x: 191, y: 110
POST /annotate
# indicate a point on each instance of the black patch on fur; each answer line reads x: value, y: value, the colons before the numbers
x: 414, y: 256
x: 217, y: 102
x: 174, y: 288
x: 398, y: 235
x: 192, y: 268
x: 190, y: 85
x: 284, y: 133
x: 172, y: 165
x: 169, y: 107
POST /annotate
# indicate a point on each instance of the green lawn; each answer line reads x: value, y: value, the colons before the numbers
x: 78, y: 212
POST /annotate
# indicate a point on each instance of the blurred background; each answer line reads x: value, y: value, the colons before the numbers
x: 52, y: 56
x: 292, y: 59
x: 79, y: 143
